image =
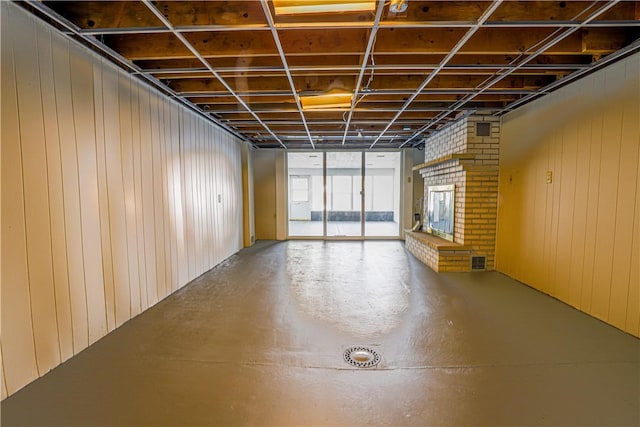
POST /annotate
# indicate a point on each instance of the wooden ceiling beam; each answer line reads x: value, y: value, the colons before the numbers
x: 388, y: 115
x: 325, y: 115
x: 370, y: 99
x: 384, y: 72
x: 290, y: 116
x: 340, y: 61
x: 134, y: 14
x: 92, y: 15
x: 324, y: 83
x: 188, y: 13
x: 106, y: 14
x: 361, y: 106
x: 384, y: 64
x: 257, y: 102
x: 597, y: 41
x: 504, y: 41
x: 551, y: 11
x: 336, y: 126
x: 507, y: 12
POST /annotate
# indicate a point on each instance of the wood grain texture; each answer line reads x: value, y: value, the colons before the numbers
x: 125, y: 108
x: 82, y: 93
x: 56, y: 197
x: 71, y: 195
x: 94, y: 168
x: 20, y: 363
x: 36, y: 201
x: 581, y: 231
x: 103, y: 199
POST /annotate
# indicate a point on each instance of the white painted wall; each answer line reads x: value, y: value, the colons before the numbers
x: 576, y: 238
x: 113, y: 197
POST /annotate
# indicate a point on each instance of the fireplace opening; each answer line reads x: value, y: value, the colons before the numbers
x: 439, y: 215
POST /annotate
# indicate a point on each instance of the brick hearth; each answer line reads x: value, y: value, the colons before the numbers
x: 458, y: 155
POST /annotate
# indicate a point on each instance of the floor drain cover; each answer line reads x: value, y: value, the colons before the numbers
x: 361, y: 357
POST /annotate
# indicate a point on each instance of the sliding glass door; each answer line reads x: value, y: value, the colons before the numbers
x: 382, y: 194
x: 306, y: 194
x: 344, y: 194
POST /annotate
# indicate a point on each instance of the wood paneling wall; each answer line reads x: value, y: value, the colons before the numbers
x: 578, y: 237
x: 113, y: 197
x: 264, y: 175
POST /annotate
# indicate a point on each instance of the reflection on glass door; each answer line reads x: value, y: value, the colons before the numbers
x: 330, y: 201
x: 382, y: 194
x: 299, y: 197
x: 306, y: 204
x: 344, y: 194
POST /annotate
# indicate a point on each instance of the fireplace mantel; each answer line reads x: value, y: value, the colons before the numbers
x: 443, y: 159
x: 458, y: 155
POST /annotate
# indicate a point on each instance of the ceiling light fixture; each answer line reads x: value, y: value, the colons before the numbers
x: 398, y: 6
x: 333, y: 100
x: 290, y: 7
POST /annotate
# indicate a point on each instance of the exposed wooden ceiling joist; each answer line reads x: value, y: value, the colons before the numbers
x: 241, y: 64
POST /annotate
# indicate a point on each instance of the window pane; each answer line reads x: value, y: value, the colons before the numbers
x: 382, y: 194
x: 342, y: 193
x: 300, y: 196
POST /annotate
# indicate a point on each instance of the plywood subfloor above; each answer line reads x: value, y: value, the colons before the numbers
x: 245, y: 67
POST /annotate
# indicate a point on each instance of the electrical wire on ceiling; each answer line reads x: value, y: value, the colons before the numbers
x: 171, y: 75
x: 366, y: 88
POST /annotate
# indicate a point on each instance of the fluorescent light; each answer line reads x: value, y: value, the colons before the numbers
x: 331, y: 100
x: 290, y: 7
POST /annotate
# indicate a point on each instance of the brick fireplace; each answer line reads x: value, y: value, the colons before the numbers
x: 464, y: 154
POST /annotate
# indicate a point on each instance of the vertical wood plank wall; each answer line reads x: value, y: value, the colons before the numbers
x: 265, y: 193
x: 113, y: 197
x: 577, y: 238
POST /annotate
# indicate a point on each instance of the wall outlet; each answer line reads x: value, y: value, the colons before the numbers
x: 549, y: 177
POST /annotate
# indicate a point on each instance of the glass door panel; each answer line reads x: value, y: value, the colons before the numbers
x: 382, y: 194
x: 305, y: 194
x: 344, y: 194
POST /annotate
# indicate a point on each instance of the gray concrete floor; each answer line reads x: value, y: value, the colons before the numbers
x: 259, y: 341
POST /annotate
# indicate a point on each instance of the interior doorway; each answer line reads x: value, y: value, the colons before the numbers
x: 344, y: 194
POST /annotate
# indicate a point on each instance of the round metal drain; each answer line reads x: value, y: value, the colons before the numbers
x: 361, y: 357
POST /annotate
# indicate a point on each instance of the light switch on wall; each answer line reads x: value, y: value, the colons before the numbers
x: 549, y: 177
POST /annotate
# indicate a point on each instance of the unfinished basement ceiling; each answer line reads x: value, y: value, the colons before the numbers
x: 408, y: 73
